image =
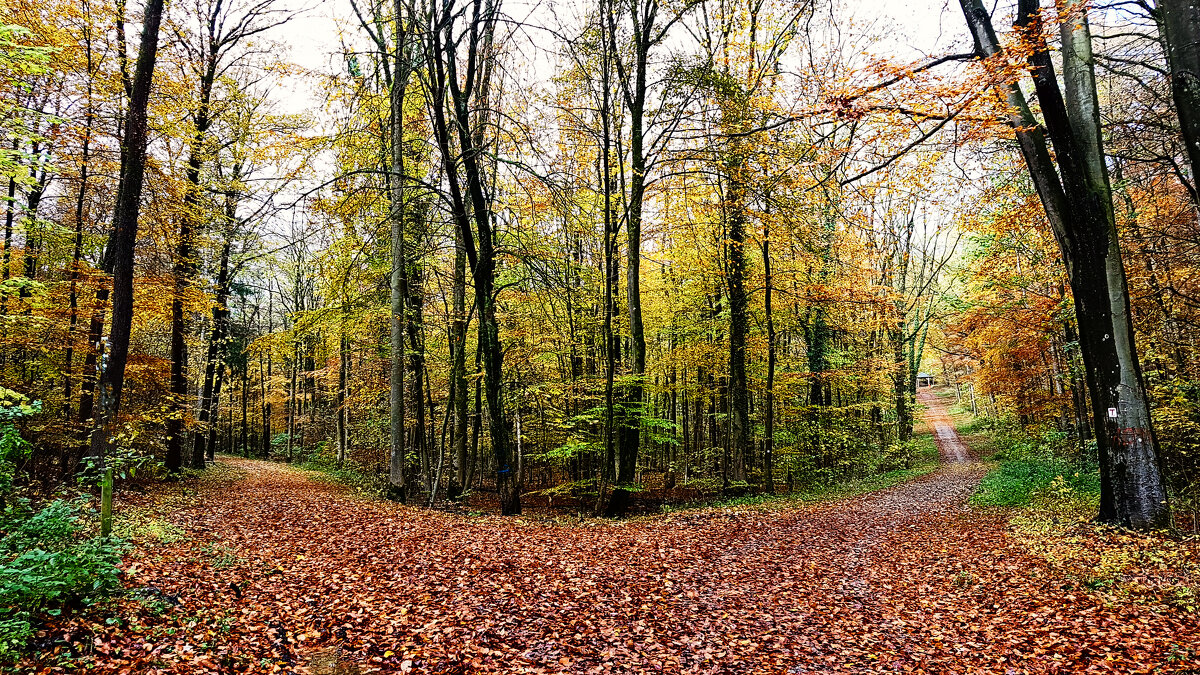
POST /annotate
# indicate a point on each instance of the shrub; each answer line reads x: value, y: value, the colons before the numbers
x: 14, y: 633
x: 47, y: 561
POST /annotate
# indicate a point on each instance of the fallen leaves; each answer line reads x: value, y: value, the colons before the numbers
x: 905, y: 580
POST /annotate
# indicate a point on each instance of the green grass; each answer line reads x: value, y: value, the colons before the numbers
x: 1018, y: 482
x: 926, y: 448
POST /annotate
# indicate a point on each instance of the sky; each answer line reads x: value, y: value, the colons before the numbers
x: 914, y: 29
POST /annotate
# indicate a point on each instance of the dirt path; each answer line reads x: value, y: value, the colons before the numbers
x: 285, y: 574
x: 937, y: 417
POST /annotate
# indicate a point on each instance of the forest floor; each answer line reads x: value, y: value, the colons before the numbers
x: 264, y: 569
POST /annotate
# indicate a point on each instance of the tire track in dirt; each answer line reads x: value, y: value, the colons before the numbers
x: 937, y: 416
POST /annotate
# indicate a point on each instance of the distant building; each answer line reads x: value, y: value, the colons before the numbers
x: 924, y: 380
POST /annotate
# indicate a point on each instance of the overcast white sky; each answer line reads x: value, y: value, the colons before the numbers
x: 915, y: 28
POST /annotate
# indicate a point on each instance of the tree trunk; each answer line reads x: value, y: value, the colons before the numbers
x: 1179, y: 22
x: 419, y: 439
x: 291, y: 412
x: 769, y: 403
x: 479, y: 241
x: 266, y: 382
x: 397, y: 469
x: 244, y: 390
x: 616, y: 500
x: 635, y: 90
x: 900, y: 382
x: 213, y: 361
x: 10, y: 212
x: 458, y: 346
x: 343, y: 368
x: 218, y: 382
x: 119, y: 257
x: 77, y: 247
x: 739, y: 415
x: 1078, y: 204
x: 184, y: 270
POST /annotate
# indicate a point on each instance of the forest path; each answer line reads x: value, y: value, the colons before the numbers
x: 284, y: 573
x: 937, y: 418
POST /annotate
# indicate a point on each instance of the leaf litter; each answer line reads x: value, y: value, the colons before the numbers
x: 281, y: 573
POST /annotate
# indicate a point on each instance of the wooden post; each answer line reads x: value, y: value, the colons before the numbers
x: 106, y: 489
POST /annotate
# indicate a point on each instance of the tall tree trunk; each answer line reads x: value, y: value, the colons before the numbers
x: 213, y: 433
x: 184, y: 269
x: 769, y: 403
x: 480, y: 240
x: 214, y: 357
x: 397, y: 469
x: 264, y: 427
x: 458, y: 345
x: 10, y: 213
x: 1078, y: 204
x: 1179, y: 22
x: 735, y: 216
x: 244, y: 390
x: 291, y: 412
x: 419, y: 438
x: 900, y: 379
x: 611, y: 266
x: 266, y: 385
x: 77, y: 247
x: 119, y: 257
x: 343, y: 372
x: 635, y: 87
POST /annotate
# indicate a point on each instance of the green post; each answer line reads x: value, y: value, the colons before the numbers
x: 106, y: 503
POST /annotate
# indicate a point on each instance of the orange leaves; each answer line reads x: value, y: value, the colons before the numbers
x: 899, y: 581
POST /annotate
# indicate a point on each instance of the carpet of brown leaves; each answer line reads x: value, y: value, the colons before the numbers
x: 281, y: 573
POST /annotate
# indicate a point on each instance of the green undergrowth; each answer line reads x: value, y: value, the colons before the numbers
x: 1159, y: 570
x: 920, y: 454
x: 1022, y: 482
x: 52, y: 557
x: 924, y: 461
x: 323, y: 467
x: 1049, y: 490
x: 1035, y: 469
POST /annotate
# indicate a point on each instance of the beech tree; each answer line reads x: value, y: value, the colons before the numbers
x: 1179, y: 22
x: 119, y: 257
x: 1074, y: 190
x: 458, y: 85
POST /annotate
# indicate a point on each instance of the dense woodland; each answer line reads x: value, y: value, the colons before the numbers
x: 602, y: 255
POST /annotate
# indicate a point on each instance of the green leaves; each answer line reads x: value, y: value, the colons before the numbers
x: 45, y: 562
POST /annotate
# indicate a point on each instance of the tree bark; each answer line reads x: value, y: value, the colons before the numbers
x: 739, y: 415
x: 77, y: 247
x: 214, y: 358
x: 635, y: 87
x: 769, y: 403
x: 119, y: 256
x: 184, y: 270
x: 343, y: 438
x: 397, y: 469
x: 1074, y: 191
x: 1179, y: 22
x: 458, y: 345
x: 479, y: 240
